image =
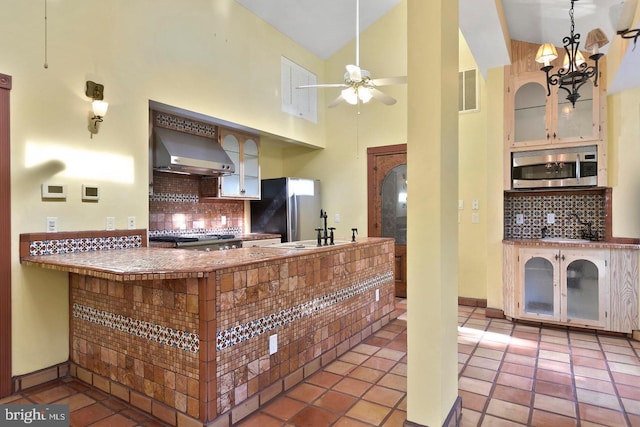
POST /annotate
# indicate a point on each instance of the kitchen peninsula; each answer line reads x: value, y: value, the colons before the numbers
x: 205, y: 338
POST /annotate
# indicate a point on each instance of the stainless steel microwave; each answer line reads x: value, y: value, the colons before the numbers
x: 574, y: 167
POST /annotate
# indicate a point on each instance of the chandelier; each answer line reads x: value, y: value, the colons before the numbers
x: 575, y: 71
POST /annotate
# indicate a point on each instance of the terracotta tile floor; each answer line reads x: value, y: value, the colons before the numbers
x: 509, y: 375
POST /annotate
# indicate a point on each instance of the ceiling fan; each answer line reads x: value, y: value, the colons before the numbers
x: 358, y: 84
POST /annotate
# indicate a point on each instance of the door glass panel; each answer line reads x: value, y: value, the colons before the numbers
x: 530, y: 110
x: 231, y: 183
x: 538, y: 286
x: 582, y: 290
x: 394, y: 204
x: 576, y: 122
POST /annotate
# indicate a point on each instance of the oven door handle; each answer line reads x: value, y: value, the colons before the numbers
x: 578, y: 167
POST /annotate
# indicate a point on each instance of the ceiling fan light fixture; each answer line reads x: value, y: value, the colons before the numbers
x: 364, y: 93
x: 350, y: 95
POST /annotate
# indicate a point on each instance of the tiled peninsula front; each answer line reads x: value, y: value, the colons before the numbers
x: 184, y: 335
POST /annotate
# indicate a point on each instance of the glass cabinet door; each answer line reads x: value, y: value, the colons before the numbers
x: 530, y: 113
x: 586, y: 293
x: 251, y: 169
x: 539, y: 287
x: 231, y: 183
x: 579, y: 122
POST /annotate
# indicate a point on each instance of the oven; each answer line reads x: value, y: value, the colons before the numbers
x: 201, y: 242
x: 573, y: 167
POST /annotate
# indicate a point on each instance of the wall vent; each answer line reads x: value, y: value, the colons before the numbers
x: 468, y: 91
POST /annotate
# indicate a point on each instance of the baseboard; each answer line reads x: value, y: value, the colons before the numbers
x: 472, y: 302
x: 494, y: 313
x: 33, y: 379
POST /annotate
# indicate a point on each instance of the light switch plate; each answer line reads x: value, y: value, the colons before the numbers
x: 460, y: 204
x: 131, y: 222
x: 336, y: 218
x: 475, y: 205
x: 475, y: 218
x: 377, y: 295
x: 551, y: 218
x: 52, y: 224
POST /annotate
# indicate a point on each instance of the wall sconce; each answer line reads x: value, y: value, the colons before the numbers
x: 622, y: 18
x: 95, y: 91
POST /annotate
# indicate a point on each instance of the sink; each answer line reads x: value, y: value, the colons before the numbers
x: 564, y: 240
x: 307, y: 244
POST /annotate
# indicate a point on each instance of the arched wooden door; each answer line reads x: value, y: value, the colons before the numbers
x: 387, y: 203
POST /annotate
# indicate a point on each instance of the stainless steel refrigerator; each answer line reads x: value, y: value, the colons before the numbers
x: 289, y: 207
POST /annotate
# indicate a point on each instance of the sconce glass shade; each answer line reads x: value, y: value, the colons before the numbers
x: 546, y: 53
x: 100, y: 108
x: 622, y: 15
x: 364, y: 93
x: 350, y: 95
x: 595, y: 40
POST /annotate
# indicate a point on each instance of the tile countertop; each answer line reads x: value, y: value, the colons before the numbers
x: 162, y: 263
x: 614, y: 243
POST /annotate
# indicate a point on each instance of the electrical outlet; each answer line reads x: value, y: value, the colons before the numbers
x: 475, y: 218
x: 111, y: 223
x: 377, y: 295
x: 273, y: 344
x: 131, y: 222
x: 52, y: 224
x: 336, y: 218
x: 475, y: 204
x: 520, y: 219
x: 223, y: 220
x: 551, y: 218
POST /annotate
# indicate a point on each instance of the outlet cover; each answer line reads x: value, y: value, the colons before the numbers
x: 551, y: 218
x: 131, y: 222
x: 111, y: 223
x: 336, y: 218
x: 475, y: 205
x: 475, y: 218
x: 273, y: 344
x: 223, y: 220
x: 519, y: 218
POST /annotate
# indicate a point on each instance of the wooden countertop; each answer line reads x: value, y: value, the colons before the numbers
x: 167, y: 263
x: 615, y: 243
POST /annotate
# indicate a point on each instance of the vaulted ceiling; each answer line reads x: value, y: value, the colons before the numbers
x: 325, y: 26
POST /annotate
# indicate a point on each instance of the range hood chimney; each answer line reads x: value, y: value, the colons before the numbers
x: 184, y: 153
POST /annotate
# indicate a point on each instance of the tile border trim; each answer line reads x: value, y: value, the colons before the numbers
x: 183, y: 340
x: 227, y: 338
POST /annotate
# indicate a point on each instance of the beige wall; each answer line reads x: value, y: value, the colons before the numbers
x: 472, y: 185
x: 624, y: 154
x: 214, y: 58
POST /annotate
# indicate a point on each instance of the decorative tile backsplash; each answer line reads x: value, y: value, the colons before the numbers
x: 534, y: 210
x: 175, y: 207
x: 83, y: 244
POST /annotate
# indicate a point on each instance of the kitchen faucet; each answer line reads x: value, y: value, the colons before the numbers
x: 588, y: 233
x: 323, y: 215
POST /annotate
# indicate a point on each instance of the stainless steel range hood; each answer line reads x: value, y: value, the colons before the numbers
x: 185, y: 153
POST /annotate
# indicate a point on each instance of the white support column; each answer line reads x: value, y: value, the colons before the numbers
x: 432, y: 157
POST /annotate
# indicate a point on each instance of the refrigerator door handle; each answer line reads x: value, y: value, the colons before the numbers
x: 294, y: 218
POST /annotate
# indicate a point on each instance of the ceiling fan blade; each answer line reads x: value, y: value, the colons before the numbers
x: 336, y: 101
x: 387, y: 81
x: 382, y: 97
x: 355, y: 74
x: 322, y: 85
